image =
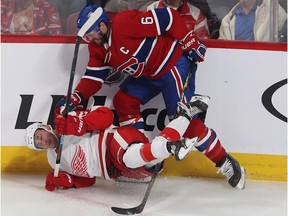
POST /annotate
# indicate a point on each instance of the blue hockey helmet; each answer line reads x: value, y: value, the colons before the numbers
x: 86, y: 13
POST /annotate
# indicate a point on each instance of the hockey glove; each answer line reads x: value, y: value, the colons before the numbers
x: 72, y: 125
x: 193, y: 48
x: 75, y: 100
x: 64, y: 181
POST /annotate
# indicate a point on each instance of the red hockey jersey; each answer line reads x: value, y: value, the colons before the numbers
x: 139, y: 43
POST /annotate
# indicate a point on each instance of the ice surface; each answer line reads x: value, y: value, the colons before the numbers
x: 24, y: 194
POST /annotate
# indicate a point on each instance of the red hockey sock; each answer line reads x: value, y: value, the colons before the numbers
x: 211, y: 147
x: 208, y: 142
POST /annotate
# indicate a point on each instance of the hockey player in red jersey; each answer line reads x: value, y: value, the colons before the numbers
x: 157, y: 51
x: 95, y: 148
x: 148, y: 46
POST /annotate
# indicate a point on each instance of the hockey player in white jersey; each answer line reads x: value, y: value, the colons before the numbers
x: 95, y: 148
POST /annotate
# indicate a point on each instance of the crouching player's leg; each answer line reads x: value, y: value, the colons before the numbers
x: 209, y: 144
x: 128, y: 110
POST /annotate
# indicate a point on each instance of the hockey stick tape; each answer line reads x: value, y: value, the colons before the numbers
x: 92, y: 19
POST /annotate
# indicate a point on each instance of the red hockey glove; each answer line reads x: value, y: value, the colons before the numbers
x: 64, y: 181
x: 192, y: 47
x: 72, y: 125
x: 75, y: 100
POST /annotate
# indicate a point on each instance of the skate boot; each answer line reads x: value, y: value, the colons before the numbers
x: 235, y: 174
x: 181, y: 148
x: 198, y: 104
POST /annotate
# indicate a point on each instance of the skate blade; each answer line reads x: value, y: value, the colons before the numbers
x: 241, y: 183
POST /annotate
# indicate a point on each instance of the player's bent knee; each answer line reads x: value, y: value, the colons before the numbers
x: 196, y: 128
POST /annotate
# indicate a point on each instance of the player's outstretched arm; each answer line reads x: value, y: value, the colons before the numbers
x: 65, y: 180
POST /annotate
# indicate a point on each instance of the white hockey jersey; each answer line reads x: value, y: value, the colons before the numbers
x: 83, y: 156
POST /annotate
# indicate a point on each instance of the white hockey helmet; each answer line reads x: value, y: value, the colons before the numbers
x: 30, y: 131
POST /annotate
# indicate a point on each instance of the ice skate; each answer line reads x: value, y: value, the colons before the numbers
x: 181, y: 148
x: 198, y: 104
x: 235, y: 174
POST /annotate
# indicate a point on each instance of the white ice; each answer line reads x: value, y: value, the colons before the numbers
x: 24, y: 194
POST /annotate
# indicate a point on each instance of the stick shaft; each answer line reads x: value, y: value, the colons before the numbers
x: 193, y: 68
x: 68, y: 96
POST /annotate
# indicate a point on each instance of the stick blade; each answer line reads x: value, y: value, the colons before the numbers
x: 96, y: 14
x: 128, y: 211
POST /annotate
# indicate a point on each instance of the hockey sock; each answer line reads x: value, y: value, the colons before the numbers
x: 208, y: 142
x: 211, y: 147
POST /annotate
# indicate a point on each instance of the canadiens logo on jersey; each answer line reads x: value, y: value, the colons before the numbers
x: 79, y: 163
x: 135, y: 65
x: 132, y: 67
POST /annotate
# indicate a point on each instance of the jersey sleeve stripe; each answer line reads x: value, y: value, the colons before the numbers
x: 98, y: 74
x: 165, y: 61
x: 171, y: 19
x: 93, y: 78
x: 156, y: 22
x: 140, y: 47
x: 99, y: 68
x: 163, y: 19
x: 151, y: 50
x: 145, y: 48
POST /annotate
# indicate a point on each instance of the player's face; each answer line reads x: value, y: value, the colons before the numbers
x: 97, y: 36
x: 93, y: 36
x: 44, y: 139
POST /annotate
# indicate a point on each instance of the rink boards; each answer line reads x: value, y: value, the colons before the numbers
x: 258, y: 166
x: 248, y: 109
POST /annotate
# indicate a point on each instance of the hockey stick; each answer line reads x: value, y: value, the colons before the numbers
x: 68, y: 96
x: 96, y: 14
x: 138, y: 209
x: 193, y: 68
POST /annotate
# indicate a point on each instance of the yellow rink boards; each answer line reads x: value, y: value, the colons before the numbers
x: 258, y: 166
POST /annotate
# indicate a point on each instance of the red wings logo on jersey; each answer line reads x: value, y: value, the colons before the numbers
x: 79, y: 163
x: 132, y: 67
